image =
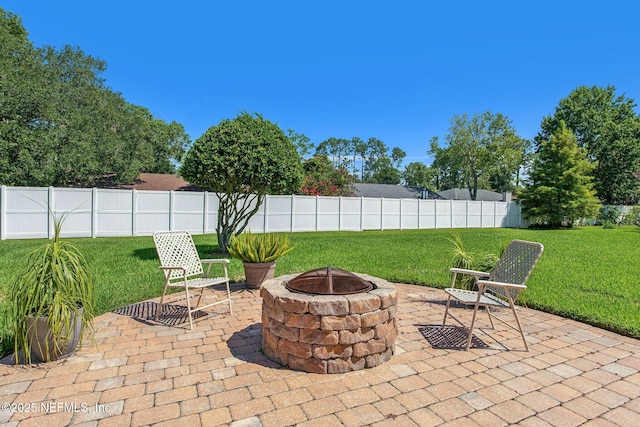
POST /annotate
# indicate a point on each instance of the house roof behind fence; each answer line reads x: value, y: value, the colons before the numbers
x: 463, y: 194
x: 390, y: 191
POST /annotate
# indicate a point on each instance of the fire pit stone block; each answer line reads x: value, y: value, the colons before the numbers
x: 328, y: 333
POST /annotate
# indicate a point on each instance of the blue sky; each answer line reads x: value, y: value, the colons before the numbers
x: 394, y: 70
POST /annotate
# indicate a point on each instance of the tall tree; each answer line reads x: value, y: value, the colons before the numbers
x: 338, y: 150
x: 478, y: 148
x: 417, y: 174
x: 242, y: 160
x: 608, y: 127
x: 61, y: 125
x: 561, y: 188
x: 374, y: 151
x: 358, y: 149
x: 302, y: 143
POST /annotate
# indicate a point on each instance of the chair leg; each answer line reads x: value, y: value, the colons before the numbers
x: 229, y: 298
x: 490, y: 318
x: 473, y: 322
x: 199, y: 297
x: 515, y: 314
x: 446, y: 311
x: 159, y: 309
x: 186, y: 291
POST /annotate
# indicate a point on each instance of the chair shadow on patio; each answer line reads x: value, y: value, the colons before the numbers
x: 172, y: 315
x: 449, y: 337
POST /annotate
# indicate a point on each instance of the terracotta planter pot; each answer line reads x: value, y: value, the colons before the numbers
x: 40, y: 338
x: 256, y: 273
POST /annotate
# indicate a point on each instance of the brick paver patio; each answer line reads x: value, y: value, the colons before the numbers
x: 143, y: 373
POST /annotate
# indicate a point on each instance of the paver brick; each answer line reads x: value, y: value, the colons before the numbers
x: 573, y: 375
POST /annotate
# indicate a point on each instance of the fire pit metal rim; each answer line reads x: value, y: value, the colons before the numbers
x: 329, y: 281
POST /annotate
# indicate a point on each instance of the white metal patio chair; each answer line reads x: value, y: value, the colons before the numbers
x: 183, y: 268
x: 501, y: 287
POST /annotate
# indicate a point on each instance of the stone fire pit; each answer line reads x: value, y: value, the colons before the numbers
x: 328, y: 333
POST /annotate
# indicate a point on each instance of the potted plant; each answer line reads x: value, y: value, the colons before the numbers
x: 52, y: 301
x: 259, y: 253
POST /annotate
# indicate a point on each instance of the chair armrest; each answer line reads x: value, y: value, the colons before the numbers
x: 215, y: 261
x: 169, y: 268
x: 501, y: 284
x: 471, y: 272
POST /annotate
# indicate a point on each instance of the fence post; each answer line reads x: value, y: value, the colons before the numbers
x: 381, y: 213
x: 400, y: 209
x: 435, y: 214
x: 339, y: 213
x: 361, y: 213
x: 265, y: 207
x: 171, y: 210
x: 466, y: 222
x: 94, y: 212
x: 205, y: 214
x: 50, y: 209
x: 317, y: 211
x: 3, y: 212
x: 134, y: 213
x: 293, y: 212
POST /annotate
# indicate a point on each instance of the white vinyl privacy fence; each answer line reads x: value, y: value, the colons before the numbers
x: 24, y: 213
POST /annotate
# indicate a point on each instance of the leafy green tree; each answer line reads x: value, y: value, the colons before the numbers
x: 385, y: 173
x: 302, y: 143
x: 561, y: 188
x: 374, y: 151
x: 358, y: 149
x: 417, y: 174
x: 478, y: 149
x: 322, y: 179
x: 242, y: 160
x: 338, y: 150
x: 61, y: 125
x: 608, y: 127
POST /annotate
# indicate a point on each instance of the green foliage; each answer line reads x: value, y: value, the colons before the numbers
x: 54, y: 281
x: 561, y: 189
x: 242, y: 160
x: 322, y: 179
x: 417, y: 174
x: 608, y: 127
x: 462, y: 258
x: 609, y: 216
x: 480, y: 150
x: 633, y: 217
x: 377, y: 165
x: 61, y: 125
x: 259, y: 248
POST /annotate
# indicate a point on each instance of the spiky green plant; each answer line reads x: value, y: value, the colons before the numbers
x: 461, y: 258
x: 55, y: 282
x: 259, y: 248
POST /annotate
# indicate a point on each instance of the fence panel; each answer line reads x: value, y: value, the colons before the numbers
x: 106, y: 212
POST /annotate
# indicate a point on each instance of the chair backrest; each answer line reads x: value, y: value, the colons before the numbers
x: 176, y: 249
x: 516, y: 264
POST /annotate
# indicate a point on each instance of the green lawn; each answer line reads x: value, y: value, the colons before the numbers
x: 589, y: 274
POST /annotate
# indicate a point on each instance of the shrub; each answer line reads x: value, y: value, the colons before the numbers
x: 609, y: 216
x: 461, y: 258
x: 632, y: 217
